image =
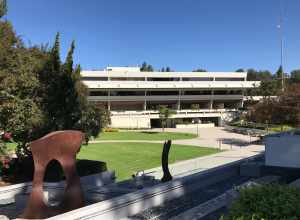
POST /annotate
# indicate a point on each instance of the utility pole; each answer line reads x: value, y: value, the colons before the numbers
x: 279, y: 26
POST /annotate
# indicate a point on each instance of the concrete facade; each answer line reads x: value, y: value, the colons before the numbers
x: 134, y: 97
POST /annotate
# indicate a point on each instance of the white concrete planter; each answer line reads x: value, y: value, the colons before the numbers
x: 283, y: 150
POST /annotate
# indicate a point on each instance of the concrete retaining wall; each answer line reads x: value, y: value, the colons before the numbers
x: 133, y: 203
x: 8, y: 193
x: 283, y: 150
x: 128, y: 121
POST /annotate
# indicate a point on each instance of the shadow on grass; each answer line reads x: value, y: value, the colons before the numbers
x: 150, y: 132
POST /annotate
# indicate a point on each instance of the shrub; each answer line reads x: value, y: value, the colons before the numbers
x: 24, y: 169
x: 111, y: 130
x: 269, y: 202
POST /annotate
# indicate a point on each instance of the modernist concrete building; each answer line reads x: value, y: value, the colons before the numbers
x: 133, y: 97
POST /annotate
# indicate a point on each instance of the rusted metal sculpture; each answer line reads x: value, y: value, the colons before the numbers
x: 165, y: 162
x: 63, y: 147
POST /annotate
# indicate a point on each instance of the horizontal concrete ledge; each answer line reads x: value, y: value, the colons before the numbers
x: 208, y: 125
x: 133, y: 203
x: 8, y: 193
x: 188, y: 167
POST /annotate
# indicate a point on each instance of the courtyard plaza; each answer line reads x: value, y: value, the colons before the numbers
x: 233, y: 146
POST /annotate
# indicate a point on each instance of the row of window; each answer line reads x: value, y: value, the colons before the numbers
x: 160, y: 79
x: 165, y: 93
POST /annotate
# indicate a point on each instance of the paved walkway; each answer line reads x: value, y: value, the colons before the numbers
x: 217, y: 137
x: 201, y: 164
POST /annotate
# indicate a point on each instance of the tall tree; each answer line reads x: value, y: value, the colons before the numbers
x: 68, y: 66
x: 164, y: 114
x: 40, y: 93
x: 146, y: 67
x: 268, y: 88
x: 241, y: 70
x: 3, y: 8
x: 200, y: 70
x: 55, y: 54
x: 285, y: 109
x: 295, y: 76
x: 167, y: 69
x: 253, y: 75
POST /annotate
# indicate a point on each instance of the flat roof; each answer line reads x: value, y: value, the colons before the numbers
x: 95, y: 73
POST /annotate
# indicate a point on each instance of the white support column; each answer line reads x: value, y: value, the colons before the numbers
x: 145, y: 101
x: 211, y: 102
x: 179, y: 100
x: 108, y: 102
x: 242, y: 101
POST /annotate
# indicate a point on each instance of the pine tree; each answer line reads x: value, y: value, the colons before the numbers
x: 68, y: 66
x: 3, y: 8
x: 144, y: 67
x: 55, y: 54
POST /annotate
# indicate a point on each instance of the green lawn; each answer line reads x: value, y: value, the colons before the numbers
x: 281, y: 128
x: 127, y: 158
x: 146, y: 135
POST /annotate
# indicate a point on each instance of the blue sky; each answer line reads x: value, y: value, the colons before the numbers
x: 216, y: 35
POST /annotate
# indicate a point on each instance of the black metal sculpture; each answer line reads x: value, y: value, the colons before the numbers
x: 165, y: 162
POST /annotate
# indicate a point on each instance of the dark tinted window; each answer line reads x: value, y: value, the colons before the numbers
x: 198, y: 79
x: 163, y: 93
x: 98, y: 93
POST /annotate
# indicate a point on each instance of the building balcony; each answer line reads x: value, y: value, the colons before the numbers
x: 166, y: 98
x: 171, y: 84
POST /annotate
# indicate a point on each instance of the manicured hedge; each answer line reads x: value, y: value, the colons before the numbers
x: 24, y: 170
x: 270, y: 202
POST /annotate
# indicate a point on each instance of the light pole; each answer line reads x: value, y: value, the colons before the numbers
x: 279, y: 26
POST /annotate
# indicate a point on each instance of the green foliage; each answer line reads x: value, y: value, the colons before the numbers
x: 200, y: 70
x: 269, y: 202
x: 240, y: 70
x: 164, y: 114
x: 167, y: 69
x: 39, y: 93
x: 3, y: 8
x: 268, y: 88
x: 295, y: 76
x: 253, y: 75
x: 90, y: 121
x: 283, y: 110
x: 270, y: 85
x: 146, y: 67
x: 195, y: 106
x: 109, y: 130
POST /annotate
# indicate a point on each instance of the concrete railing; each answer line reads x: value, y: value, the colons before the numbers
x: 186, y: 111
x: 171, y: 84
x: 166, y: 97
